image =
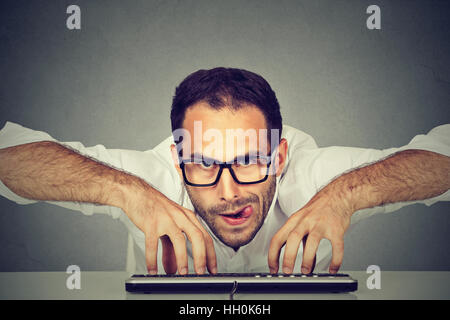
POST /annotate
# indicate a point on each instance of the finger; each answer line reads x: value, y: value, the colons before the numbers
x: 179, y: 245
x: 304, y: 245
x: 211, y: 259
x: 168, y: 255
x: 337, y: 255
x: 291, y: 249
x: 309, y: 252
x: 196, y: 237
x: 278, y: 241
x: 276, y: 244
x: 151, y: 252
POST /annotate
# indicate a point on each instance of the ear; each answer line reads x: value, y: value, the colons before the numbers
x: 280, y: 160
x: 175, y: 159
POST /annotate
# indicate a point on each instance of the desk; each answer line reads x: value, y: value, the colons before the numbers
x: 111, y: 285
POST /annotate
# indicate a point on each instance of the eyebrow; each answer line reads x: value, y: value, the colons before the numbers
x: 196, y: 155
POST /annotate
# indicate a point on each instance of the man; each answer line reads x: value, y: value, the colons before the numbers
x: 200, y: 201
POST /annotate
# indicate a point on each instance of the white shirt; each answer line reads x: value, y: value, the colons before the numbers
x: 307, y: 169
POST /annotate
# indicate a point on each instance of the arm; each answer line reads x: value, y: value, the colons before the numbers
x: 46, y: 171
x: 14, y: 135
x: 406, y: 174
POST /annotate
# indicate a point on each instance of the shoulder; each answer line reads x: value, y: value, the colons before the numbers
x: 297, y: 138
x: 298, y: 141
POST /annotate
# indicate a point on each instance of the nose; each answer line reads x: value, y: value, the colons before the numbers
x: 228, y: 188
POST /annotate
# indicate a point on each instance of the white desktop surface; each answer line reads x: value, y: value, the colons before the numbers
x: 111, y: 285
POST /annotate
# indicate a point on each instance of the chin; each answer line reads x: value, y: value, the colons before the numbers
x: 237, y: 237
x: 231, y: 240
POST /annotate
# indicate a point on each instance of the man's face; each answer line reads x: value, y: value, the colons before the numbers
x: 234, y: 212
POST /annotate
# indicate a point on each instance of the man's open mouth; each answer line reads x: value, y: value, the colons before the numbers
x: 238, y: 217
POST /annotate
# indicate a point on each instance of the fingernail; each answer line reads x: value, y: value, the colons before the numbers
x: 287, y: 270
x: 183, y: 270
x: 201, y: 270
x: 214, y: 270
x: 152, y: 271
x: 305, y: 270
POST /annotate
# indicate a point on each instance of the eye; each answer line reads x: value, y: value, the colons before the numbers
x: 247, y: 161
x: 206, y: 165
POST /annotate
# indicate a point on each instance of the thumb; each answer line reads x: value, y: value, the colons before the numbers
x: 168, y: 255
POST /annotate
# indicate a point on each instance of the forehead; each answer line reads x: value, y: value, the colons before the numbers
x: 224, y: 133
x: 249, y: 116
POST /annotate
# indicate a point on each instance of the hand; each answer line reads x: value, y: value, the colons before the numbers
x: 159, y: 217
x: 327, y: 216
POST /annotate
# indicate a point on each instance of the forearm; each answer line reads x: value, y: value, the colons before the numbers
x: 49, y: 171
x: 405, y: 176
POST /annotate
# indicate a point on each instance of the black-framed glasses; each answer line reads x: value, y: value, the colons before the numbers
x: 200, y: 171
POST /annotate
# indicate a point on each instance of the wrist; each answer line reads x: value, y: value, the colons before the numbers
x: 355, y: 192
x: 342, y: 197
x: 128, y: 190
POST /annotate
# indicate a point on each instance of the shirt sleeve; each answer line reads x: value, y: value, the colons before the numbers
x: 310, y: 170
x: 153, y: 166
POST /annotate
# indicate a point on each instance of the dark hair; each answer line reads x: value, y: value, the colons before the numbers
x: 226, y: 87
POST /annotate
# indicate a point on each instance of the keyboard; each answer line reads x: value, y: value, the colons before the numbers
x: 241, y: 283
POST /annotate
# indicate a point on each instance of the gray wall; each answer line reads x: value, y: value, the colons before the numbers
x: 112, y: 81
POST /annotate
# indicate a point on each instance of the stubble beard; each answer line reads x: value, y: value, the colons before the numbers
x: 238, y: 237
